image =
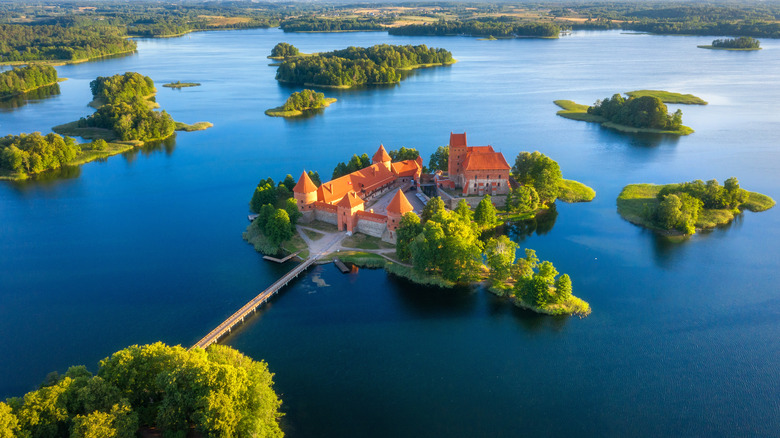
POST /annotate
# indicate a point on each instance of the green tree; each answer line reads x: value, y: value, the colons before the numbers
x: 9, y: 425
x: 291, y: 207
x: 99, y: 145
x: 522, y: 199
x: 563, y: 288
x: 408, y: 229
x: 284, y: 50
x: 403, y: 154
x: 434, y: 206
x: 540, y: 172
x: 289, y: 182
x: 279, y: 228
x: 440, y: 159
x: 95, y: 425
x: 265, y: 194
x: 500, y: 256
x: 263, y: 216
x: 463, y: 210
x: 485, y: 213
x: 524, y: 267
x: 315, y: 178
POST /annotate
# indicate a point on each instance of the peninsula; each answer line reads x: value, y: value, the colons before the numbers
x: 418, y: 237
x: 301, y: 103
x: 356, y: 66
x: 681, y: 209
x: 645, y: 113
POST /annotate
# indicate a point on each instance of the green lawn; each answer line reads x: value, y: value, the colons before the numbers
x: 669, y: 97
x: 313, y: 235
x: 197, y: 126
x: 574, y: 191
x: 362, y: 241
x: 322, y: 226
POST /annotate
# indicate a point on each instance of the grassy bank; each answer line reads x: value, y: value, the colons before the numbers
x: 669, y: 97
x: 281, y: 112
x: 256, y: 238
x: 86, y: 155
x: 198, y: 126
x: 576, y: 111
x: 636, y: 201
x: 375, y: 261
x: 727, y: 48
x: 178, y: 84
x: 574, y: 191
x: 27, y: 90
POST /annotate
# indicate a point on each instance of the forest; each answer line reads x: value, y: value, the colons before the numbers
x: 640, y: 112
x: 23, y: 79
x: 124, y: 87
x: 216, y: 392
x: 737, y: 43
x: 33, y: 153
x: 56, y: 42
x: 483, y: 27
x: 304, y: 100
x: 131, y: 120
x: 315, y: 24
x: 359, y: 66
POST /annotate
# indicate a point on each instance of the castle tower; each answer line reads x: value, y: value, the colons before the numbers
x: 305, y: 193
x: 397, y: 207
x: 381, y: 157
x: 458, y: 150
x: 346, y: 209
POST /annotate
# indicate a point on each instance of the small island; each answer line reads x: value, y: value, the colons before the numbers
x: 681, y: 209
x: 431, y: 244
x: 741, y: 43
x: 643, y: 114
x: 180, y: 84
x: 356, y: 66
x: 300, y: 103
x: 669, y: 97
x: 21, y: 80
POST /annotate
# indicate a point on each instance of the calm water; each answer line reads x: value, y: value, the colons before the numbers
x: 684, y: 338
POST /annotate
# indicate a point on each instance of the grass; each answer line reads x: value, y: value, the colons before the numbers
x: 574, y: 191
x: 295, y: 244
x: 72, y: 129
x: 322, y: 226
x: 726, y: 48
x: 636, y: 200
x: 281, y: 112
x: 179, y: 84
x: 198, y: 126
x: 576, y: 111
x: 313, y: 235
x: 669, y: 97
x: 362, y: 241
x: 254, y: 236
x: 572, y: 306
x: 358, y: 258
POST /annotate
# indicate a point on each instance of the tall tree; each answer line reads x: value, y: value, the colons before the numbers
x: 485, y: 213
x: 408, y: 229
x: 500, y: 257
x: 434, y: 206
x: 440, y: 159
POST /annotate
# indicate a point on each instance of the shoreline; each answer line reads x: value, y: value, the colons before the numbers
x: 575, y: 111
x: 344, y: 87
x: 711, y: 47
x: 59, y: 62
x: 19, y: 93
x: 279, y: 112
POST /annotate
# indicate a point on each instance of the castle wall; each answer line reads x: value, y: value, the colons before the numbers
x: 322, y: 215
x: 370, y: 227
x: 498, y: 201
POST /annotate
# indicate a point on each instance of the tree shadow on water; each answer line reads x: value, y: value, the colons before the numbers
x: 166, y: 146
x: 542, y: 224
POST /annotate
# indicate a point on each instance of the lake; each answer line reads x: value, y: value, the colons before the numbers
x: 684, y: 338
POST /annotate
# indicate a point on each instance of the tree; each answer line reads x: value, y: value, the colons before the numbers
x: 668, y: 212
x: 524, y: 267
x: 563, y: 288
x: 408, y: 229
x: 463, y: 210
x: 440, y: 159
x: 291, y: 207
x: 315, y: 177
x: 264, y: 194
x: 289, y: 182
x: 278, y: 228
x: 404, y: 154
x: 485, y: 213
x: 95, y: 425
x: 434, y: 206
x: 99, y: 145
x: 263, y: 216
x: 500, y: 256
x: 284, y: 50
x: 540, y: 172
x: 9, y: 425
x: 522, y: 199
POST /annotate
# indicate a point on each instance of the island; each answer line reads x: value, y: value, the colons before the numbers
x: 300, y: 103
x: 21, y: 80
x: 489, y: 27
x: 145, y: 390
x: 681, y: 209
x: 642, y: 114
x: 462, y: 244
x: 741, y: 43
x: 180, y: 84
x: 669, y: 97
x: 356, y: 66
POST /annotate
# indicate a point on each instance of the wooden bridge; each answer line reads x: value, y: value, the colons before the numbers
x: 252, y: 305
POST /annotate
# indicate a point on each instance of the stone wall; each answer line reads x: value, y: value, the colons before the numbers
x: 329, y: 217
x: 498, y: 201
x: 371, y: 228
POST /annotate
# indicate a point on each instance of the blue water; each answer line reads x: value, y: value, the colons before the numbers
x: 684, y: 338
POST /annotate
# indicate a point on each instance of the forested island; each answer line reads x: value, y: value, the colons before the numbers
x: 25, y: 79
x: 299, y: 103
x: 669, y: 97
x: 482, y: 27
x: 180, y: 84
x: 645, y: 113
x: 355, y: 66
x: 57, y: 43
x: 683, y: 208
x: 214, y: 392
x: 316, y: 24
x: 741, y: 43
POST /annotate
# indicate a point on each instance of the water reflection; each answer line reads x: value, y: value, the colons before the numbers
x: 11, y: 103
x: 541, y: 225
x: 46, y: 179
x: 152, y: 147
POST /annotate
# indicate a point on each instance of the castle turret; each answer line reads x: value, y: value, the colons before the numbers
x: 305, y: 193
x: 381, y: 157
x: 397, y: 207
x: 458, y: 150
x: 347, y: 207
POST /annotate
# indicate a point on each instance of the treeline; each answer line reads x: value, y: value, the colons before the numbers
x: 754, y: 29
x: 216, y: 392
x: 55, y: 42
x: 23, y: 79
x: 361, y: 162
x: 357, y: 65
x: 33, y: 153
x: 122, y: 87
x: 128, y: 114
x: 483, y: 27
x: 681, y: 204
x: 639, y: 112
x: 315, y: 24
x: 277, y: 210
x: 737, y: 43
x: 284, y: 50
x: 304, y: 100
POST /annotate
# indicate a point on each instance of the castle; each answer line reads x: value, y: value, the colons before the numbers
x: 341, y: 201
x: 478, y: 170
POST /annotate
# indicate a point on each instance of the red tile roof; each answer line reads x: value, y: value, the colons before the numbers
x: 485, y: 160
x: 457, y: 140
x: 406, y: 168
x: 381, y: 155
x: 399, y: 204
x: 350, y: 200
x: 368, y: 179
x: 305, y: 184
x: 376, y: 217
